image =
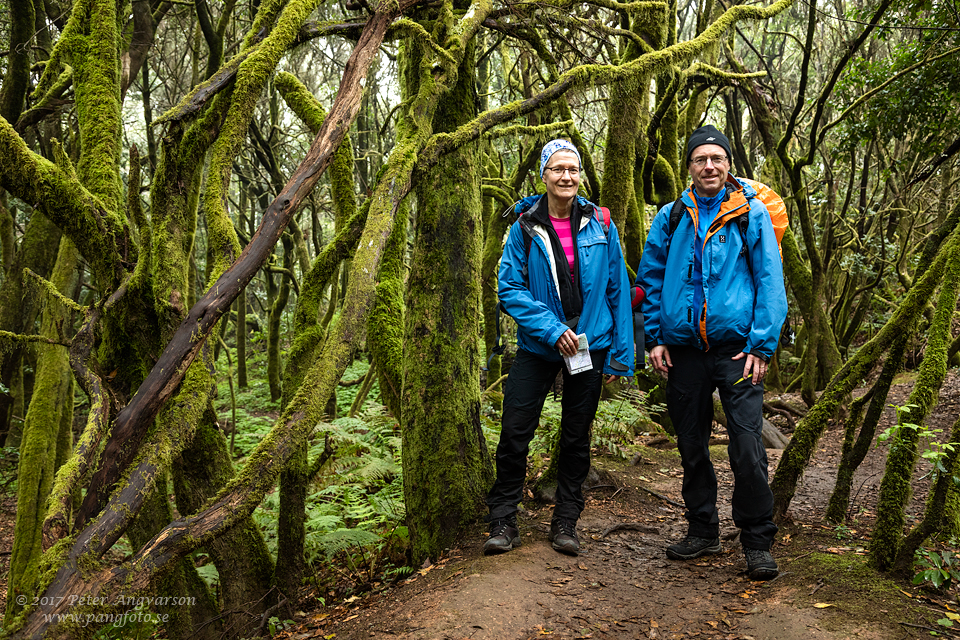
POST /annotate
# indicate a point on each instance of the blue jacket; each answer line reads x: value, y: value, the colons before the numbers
x: 744, y: 300
x: 529, y: 288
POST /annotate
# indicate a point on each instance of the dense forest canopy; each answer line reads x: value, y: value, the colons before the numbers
x: 190, y: 190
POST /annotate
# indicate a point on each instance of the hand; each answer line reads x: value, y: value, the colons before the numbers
x: 754, y: 366
x: 660, y: 357
x: 568, y: 343
x: 610, y: 378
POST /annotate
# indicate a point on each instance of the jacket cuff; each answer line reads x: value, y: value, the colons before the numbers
x: 553, y: 337
x: 617, y: 366
x: 762, y: 356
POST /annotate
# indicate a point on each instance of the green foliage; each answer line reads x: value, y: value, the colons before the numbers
x: 935, y: 451
x: 9, y: 460
x: 346, y: 395
x: 942, y: 570
x: 353, y: 524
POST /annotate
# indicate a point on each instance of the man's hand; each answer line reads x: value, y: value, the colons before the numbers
x: 660, y: 357
x: 754, y: 366
x: 568, y: 342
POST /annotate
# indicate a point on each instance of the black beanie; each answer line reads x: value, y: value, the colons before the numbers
x: 707, y: 134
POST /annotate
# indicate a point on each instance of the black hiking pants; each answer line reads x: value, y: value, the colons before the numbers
x: 524, y: 392
x: 693, y: 377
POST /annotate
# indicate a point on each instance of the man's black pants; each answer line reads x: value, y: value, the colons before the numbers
x: 693, y: 377
x: 524, y: 392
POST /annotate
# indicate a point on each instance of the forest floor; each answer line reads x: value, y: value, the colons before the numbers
x: 623, y: 586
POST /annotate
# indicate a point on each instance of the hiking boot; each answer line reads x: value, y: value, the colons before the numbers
x: 693, y: 547
x: 760, y: 564
x: 563, y: 536
x: 504, y: 536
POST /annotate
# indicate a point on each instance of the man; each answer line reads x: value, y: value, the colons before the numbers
x: 715, y: 305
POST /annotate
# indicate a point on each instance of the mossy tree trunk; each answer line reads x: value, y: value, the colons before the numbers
x: 895, y: 486
x: 200, y: 621
x: 308, y: 336
x: 38, y: 252
x: 805, y: 438
x: 50, y: 407
x: 446, y: 468
x: 854, y: 451
x: 241, y: 556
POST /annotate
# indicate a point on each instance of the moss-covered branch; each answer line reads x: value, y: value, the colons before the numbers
x: 895, y: 486
x: 252, y: 75
x: 529, y: 130
x: 50, y: 290
x: 80, y: 214
x: 797, y: 454
x: 20, y: 338
x: 85, y: 366
x: 594, y: 75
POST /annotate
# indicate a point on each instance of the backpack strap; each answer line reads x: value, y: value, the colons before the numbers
x: 602, y: 214
x: 676, y: 214
x: 743, y: 222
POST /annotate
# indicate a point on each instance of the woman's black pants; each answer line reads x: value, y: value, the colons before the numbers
x: 525, y: 390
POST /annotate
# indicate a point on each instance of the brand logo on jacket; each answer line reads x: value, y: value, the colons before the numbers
x: 723, y: 239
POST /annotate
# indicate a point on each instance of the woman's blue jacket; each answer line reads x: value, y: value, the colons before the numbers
x: 529, y: 288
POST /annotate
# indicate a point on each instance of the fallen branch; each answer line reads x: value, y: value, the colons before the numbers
x: 662, y: 497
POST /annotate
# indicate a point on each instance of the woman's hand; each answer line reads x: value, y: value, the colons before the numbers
x: 568, y: 342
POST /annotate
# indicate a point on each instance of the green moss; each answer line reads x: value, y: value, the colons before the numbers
x: 895, y: 486
x: 386, y: 321
x: 851, y: 584
x: 50, y: 405
x: 811, y: 427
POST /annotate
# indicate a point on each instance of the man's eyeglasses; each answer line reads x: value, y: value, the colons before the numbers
x: 559, y: 171
x: 701, y: 161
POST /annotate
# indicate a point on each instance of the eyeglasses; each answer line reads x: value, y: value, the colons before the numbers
x: 559, y: 171
x: 701, y: 161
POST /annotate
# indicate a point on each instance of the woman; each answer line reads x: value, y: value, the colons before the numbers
x: 561, y: 275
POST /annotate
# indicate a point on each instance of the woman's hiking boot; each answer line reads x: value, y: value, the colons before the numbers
x: 504, y: 536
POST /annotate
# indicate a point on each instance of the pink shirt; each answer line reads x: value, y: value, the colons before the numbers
x: 562, y: 227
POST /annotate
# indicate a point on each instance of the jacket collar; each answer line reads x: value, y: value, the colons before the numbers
x: 534, y: 209
x: 732, y: 187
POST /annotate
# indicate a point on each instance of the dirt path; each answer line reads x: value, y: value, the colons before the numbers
x: 623, y: 586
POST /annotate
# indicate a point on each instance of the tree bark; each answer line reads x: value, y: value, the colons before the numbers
x: 446, y: 467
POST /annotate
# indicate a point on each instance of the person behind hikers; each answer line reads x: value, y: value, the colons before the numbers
x: 715, y: 305
x: 562, y: 274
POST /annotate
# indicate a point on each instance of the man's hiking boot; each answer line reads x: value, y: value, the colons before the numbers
x: 563, y: 536
x: 760, y: 564
x: 504, y: 536
x: 693, y: 547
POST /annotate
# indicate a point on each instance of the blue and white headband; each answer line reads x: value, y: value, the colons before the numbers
x: 551, y: 148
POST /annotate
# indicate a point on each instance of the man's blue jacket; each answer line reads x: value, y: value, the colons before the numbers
x: 744, y: 299
x: 529, y: 288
